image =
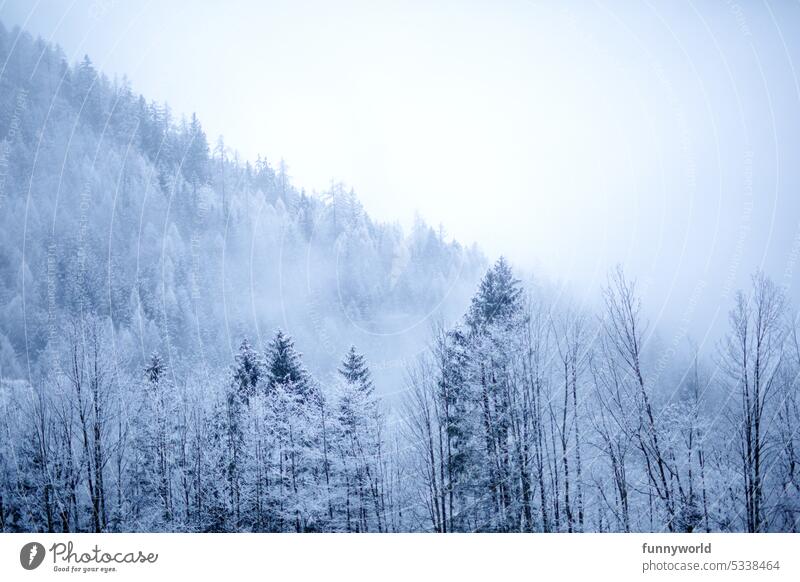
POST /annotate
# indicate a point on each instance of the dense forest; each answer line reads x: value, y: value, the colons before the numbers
x: 156, y: 294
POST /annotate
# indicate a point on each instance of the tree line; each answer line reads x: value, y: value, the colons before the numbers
x: 525, y: 416
x: 533, y: 417
x: 90, y: 450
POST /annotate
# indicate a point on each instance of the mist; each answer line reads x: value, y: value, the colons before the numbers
x: 568, y: 139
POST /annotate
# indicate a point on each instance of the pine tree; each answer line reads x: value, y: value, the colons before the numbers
x: 493, y: 319
x: 247, y: 372
x: 284, y: 366
x: 293, y: 406
x: 498, y: 299
x: 157, y: 413
x: 360, y: 445
x: 155, y: 369
x: 305, y: 215
x: 88, y: 92
x: 195, y: 166
x: 454, y: 396
x: 355, y: 371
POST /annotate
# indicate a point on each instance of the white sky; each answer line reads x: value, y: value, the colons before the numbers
x: 660, y: 135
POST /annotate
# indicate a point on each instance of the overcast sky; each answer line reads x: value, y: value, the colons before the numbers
x: 661, y: 135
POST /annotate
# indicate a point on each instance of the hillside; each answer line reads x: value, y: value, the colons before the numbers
x: 115, y: 205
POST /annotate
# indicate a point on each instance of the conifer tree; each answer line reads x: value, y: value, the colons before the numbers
x: 247, y: 371
x: 284, y: 366
x: 498, y: 298
x: 155, y: 369
x: 355, y: 371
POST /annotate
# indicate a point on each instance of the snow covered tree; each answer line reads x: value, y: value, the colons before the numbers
x: 195, y: 165
x: 153, y: 444
x: 494, y: 319
x: 752, y: 355
x: 284, y: 366
x: 155, y: 369
x: 355, y: 371
x: 247, y: 371
x: 360, y: 445
x: 498, y: 299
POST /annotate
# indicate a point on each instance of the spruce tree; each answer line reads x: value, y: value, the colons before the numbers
x: 247, y: 371
x: 498, y: 299
x: 284, y: 365
x: 155, y: 369
x: 355, y: 371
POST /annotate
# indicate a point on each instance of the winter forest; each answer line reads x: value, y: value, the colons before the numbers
x: 190, y: 343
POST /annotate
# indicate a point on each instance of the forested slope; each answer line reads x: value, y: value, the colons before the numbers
x: 178, y: 333
x: 113, y: 205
